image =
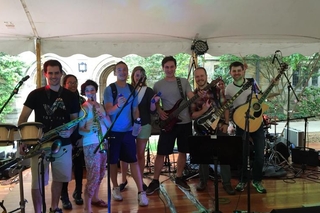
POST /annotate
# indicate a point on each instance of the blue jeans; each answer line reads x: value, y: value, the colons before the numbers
x: 258, y: 149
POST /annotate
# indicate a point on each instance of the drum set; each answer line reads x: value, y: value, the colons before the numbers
x: 276, y: 152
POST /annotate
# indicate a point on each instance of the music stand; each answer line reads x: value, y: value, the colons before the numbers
x: 227, y: 150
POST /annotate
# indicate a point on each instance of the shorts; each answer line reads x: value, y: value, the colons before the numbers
x: 61, y: 167
x: 166, y: 142
x: 145, y: 132
x: 122, y: 147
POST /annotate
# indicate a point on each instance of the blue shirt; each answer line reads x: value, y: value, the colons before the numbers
x: 123, y: 123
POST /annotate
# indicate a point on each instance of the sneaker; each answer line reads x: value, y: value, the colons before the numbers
x: 259, y: 187
x: 77, y: 198
x: 153, y: 186
x: 123, y: 186
x: 229, y: 189
x: 182, y: 183
x: 66, y: 204
x: 144, y: 187
x: 116, y: 194
x: 142, y: 199
x: 201, y: 186
x: 57, y: 210
x: 240, y: 187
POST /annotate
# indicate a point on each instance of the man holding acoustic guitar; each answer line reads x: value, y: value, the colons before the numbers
x: 256, y: 133
x: 175, y: 122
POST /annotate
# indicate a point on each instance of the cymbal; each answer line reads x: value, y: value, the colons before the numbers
x: 272, y: 95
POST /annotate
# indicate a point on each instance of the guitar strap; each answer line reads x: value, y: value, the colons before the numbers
x: 255, y: 87
x: 47, y: 89
x: 180, y: 87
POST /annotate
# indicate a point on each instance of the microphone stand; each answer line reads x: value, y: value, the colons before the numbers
x: 290, y: 88
x: 106, y: 137
x: 41, y: 159
x: 15, y: 91
x: 246, y: 145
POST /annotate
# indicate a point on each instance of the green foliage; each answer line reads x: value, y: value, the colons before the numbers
x: 309, y: 102
x: 10, y: 73
x: 153, y: 66
x: 294, y: 60
x: 261, y: 67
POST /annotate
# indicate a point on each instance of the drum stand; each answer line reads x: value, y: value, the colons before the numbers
x: 275, y: 158
x: 23, y: 201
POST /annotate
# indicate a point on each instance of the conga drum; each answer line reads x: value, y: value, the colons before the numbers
x: 7, y: 134
x: 30, y: 132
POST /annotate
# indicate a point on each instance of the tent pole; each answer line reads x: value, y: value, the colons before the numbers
x: 38, y: 58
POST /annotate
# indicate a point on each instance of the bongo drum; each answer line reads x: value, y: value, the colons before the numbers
x: 6, y: 134
x: 30, y: 132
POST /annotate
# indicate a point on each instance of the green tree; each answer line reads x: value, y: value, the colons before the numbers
x: 301, y: 70
x: 152, y: 65
x: 10, y: 73
x: 309, y: 102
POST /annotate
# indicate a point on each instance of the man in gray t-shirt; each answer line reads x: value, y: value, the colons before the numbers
x: 174, y: 128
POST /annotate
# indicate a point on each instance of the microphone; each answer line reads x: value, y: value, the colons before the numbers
x: 25, y: 78
x: 275, y: 56
x: 142, y: 80
x: 21, y: 82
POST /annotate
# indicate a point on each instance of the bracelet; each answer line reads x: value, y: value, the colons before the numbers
x: 118, y: 106
x: 224, y: 123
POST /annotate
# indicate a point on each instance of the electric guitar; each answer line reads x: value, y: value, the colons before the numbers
x: 168, y: 124
x: 208, y: 122
x: 257, y: 107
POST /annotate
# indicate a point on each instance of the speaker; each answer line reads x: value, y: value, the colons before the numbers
x: 306, y: 156
x: 313, y: 209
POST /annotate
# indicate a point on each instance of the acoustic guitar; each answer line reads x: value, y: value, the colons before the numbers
x: 168, y: 124
x: 257, y: 107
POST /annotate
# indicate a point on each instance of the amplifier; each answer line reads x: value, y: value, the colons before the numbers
x: 296, y: 136
x: 301, y: 155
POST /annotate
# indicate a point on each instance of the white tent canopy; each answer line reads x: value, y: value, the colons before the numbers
x: 146, y: 27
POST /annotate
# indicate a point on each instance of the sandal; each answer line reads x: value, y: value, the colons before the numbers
x: 100, y: 203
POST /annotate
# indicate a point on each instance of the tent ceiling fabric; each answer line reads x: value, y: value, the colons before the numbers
x: 146, y: 27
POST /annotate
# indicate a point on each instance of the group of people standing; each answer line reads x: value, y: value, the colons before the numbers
x: 86, y: 123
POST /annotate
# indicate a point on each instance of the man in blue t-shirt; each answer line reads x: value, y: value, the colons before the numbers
x: 122, y: 142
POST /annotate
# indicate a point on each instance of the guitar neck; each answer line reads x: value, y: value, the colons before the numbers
x: 191, y: 100
x: 184, y: 105
x: 230, y: 101
x: 268, y: 90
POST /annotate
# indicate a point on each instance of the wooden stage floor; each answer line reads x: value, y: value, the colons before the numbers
x: 283, y: 192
